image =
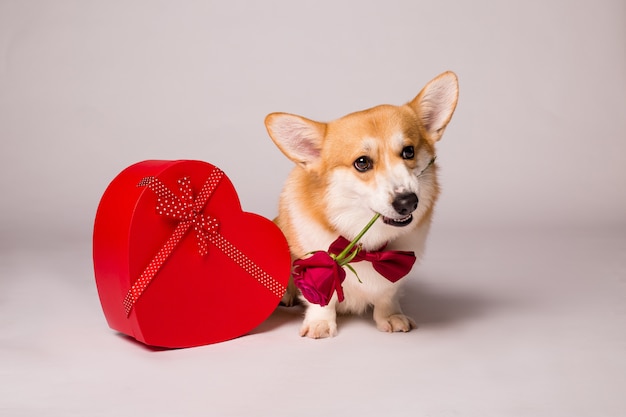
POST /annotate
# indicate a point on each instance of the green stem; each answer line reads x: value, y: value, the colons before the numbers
x: 358, y: 237
x: 432, y: 161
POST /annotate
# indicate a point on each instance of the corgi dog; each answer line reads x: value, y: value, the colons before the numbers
x: 379, y: 160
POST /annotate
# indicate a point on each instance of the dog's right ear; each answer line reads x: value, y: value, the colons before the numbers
x: 300, y: 139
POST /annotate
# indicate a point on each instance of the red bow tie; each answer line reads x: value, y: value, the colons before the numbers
x: 391, y: 264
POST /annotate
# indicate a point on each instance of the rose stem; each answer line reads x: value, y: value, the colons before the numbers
x: 357, y: 238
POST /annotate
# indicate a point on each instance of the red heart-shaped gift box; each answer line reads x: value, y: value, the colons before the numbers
x: 178, y: 263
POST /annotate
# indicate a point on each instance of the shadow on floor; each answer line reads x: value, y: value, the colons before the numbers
x: 429, y: 305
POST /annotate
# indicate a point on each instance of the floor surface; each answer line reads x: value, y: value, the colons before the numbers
x: 510, y: 324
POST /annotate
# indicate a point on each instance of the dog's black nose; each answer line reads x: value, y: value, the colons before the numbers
x: 405, y: 204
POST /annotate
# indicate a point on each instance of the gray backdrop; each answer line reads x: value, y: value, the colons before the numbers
x: 88, y: 88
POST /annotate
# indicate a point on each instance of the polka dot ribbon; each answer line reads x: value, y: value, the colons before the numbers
x: 188, y: 212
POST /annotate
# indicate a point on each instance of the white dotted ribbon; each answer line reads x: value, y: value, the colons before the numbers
x: 188, y: 212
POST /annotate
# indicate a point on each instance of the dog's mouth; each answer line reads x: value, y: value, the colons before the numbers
x: 405, y: 221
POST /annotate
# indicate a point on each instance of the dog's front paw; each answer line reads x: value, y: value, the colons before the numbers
x: 319, y: 329
x: 396, y: 323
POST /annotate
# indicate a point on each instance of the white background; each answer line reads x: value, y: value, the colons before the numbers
x: 521, y: 296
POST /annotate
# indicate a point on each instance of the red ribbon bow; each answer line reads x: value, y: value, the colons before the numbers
x: 188, y: 212
x: 319, y: 276
x: 184, y: 208
x: 391, y: 264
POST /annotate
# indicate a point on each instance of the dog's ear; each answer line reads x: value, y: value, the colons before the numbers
x: 435, y: 104
x: 300, y: 139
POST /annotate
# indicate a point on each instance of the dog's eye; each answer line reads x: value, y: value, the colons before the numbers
x: 363, y: 163
x: 408, y: 152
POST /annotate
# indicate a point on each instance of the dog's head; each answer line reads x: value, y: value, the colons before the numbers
x: 377, y: 160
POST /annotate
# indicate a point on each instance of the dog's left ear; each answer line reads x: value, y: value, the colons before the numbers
x: 435, y: 104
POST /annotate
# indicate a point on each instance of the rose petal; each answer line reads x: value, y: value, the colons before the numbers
x: 318, y: 277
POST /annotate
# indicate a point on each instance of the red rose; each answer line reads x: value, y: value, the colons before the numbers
x: 318, y: 276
